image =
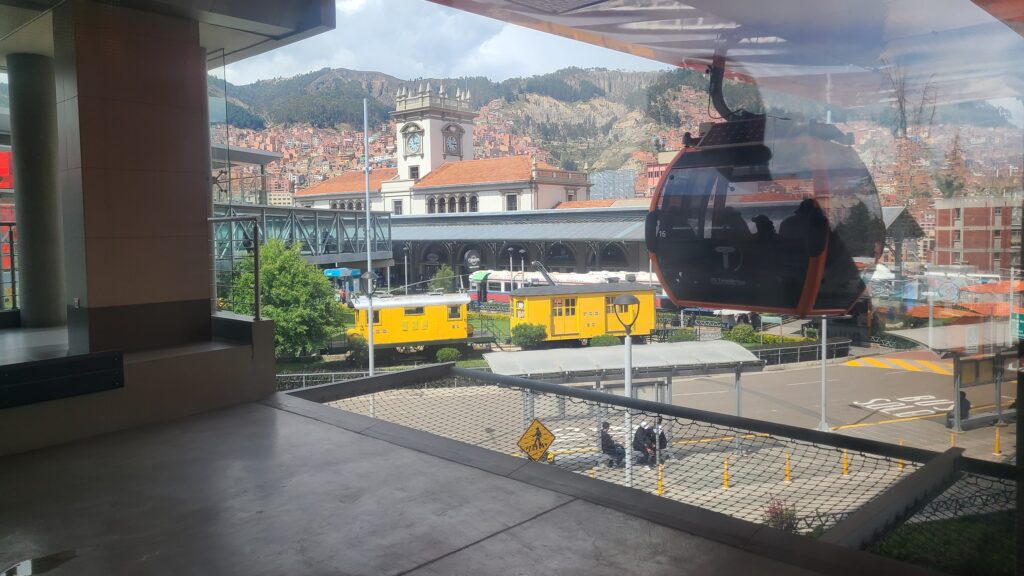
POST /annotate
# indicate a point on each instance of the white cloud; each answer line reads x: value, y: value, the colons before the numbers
x: 415, y: 38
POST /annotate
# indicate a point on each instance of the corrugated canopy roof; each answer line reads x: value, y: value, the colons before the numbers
x: 583, y: 289
x: 610, y: 358
x: 623, y: 224
x: 960, y: 336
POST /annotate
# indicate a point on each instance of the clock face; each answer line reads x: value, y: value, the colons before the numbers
x: 413, y: 142
x: 451, y: 143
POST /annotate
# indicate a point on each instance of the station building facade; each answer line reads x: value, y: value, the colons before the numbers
x: 436, y: 172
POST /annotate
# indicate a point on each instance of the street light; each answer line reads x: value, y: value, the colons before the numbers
x: 405, y: 266
x: 511, y: 270
x: 368, y: 285
x: 627, y: 309
x: 522, y: 261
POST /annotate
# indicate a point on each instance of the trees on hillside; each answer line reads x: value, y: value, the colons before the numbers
x: 295, y: 295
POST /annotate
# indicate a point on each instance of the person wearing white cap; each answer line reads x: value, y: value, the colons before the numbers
x: 640, y: 443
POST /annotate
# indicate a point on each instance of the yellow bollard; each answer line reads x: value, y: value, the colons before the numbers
x: 997, y: 452
x: 900, y: 461
x: 952, y: 439
x: 846, y: 464
x: 787, y: 468
x: 661, y: 485
x: 725, y: 476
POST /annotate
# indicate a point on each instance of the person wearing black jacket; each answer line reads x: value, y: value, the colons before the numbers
x: 642, y: 444
x: 613, y: 449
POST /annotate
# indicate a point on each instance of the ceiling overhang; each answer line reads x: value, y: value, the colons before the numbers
x: 843, y: 52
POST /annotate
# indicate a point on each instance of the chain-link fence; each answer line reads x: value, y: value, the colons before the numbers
x: 967, y: 529
x: 792, y: 484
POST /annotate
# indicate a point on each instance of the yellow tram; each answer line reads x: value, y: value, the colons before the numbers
x: 581, y: 311
x: 422, y: 319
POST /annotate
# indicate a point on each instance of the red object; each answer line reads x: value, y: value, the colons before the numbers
x: 6, y: 176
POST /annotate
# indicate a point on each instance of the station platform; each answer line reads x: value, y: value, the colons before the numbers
x: 288, y: 486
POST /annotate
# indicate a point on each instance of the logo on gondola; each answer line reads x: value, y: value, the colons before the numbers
x: 732, y: 257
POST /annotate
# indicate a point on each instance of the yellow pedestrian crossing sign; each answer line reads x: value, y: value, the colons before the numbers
x: 536, y: 440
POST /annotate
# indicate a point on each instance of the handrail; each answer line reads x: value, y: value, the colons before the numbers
x: 255, y: 255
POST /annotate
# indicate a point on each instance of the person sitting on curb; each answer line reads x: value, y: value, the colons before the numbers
x: 613, y: 449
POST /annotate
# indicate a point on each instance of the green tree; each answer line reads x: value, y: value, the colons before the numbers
x: 861, y: 231
x: 443, y: 279
x: 295, y: 295
x: 528, y: 335
x: 949, y: 184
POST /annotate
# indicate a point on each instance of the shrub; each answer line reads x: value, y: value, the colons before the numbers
x: 604, y: 340
x: 742, y: 334
x: 528, y: 336
x: 780, y: 514
x: 358, y: 352
x: 448, y: 355
x: 811, y: 333
x: 683, y: 335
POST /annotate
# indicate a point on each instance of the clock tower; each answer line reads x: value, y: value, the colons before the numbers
x: 432, y: 128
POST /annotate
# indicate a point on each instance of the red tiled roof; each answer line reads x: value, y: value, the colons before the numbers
x: 353, y: 181
x: 586, y: 204
x: 1001, y: 287
x: 483, y: 171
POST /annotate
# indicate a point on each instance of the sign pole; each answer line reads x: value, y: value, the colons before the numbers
x: 823, y: 425
x: 369, y: 229
x: 628, y: 377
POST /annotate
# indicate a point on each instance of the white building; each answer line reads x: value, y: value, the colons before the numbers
x: 436, y: 172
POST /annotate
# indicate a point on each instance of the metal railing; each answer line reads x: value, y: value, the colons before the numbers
x: 8, y: 266
x: 324, y: 236
x: 801, y: 352
x: 790, y: 478
x: 232, y: 251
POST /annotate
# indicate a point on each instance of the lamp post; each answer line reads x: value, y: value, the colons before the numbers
x: 368, y: 284
x: 627, y: 309
x: 823, y: 425
x: 511, y: 270
x: 405, y: 267
x: 522, y: 261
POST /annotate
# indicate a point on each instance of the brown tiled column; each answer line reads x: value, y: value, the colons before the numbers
x: 131, y: 92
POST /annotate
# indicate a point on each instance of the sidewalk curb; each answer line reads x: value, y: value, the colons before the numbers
x: 797, y: 365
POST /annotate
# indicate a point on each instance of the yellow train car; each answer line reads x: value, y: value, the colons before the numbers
x: 423, y: 319
x: 581, y: 311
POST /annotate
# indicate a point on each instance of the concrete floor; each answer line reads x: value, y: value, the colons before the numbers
x: 291, y: 487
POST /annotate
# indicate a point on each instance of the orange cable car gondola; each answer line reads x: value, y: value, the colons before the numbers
x: 767, y: 214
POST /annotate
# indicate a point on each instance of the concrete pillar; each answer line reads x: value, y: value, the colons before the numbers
x: 37, y: 207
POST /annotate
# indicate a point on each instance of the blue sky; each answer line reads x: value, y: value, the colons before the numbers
x: 415, y: 38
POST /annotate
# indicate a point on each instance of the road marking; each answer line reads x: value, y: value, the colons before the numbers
x: 898, y: 420
x: 936, y: 367
x: 877, y: 363
x: 818, y: 381
x: 904, y: 364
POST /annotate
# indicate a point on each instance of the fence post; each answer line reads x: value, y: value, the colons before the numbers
x: 725, y: 474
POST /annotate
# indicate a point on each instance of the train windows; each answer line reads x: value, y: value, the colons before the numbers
x: 417, y: 311
x: 563, y: 307
x: 494, y: 286
x: 454, y: 312
x: 376, y: 316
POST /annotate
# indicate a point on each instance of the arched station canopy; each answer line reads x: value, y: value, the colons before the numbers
x: 835, y: 51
